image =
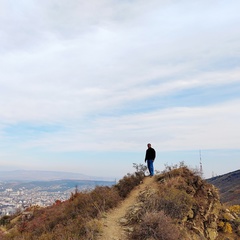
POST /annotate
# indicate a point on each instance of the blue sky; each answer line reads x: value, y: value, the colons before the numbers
x: 85, y: 85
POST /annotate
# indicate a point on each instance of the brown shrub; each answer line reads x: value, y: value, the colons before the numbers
x: 104, y: 198
x: 175, y: 203
x: 156, y: 225
x: 127, y: 183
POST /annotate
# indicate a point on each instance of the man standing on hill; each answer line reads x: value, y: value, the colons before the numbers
x: 149, y: 158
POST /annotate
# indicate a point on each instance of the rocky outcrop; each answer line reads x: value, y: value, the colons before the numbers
x: 202, y: 222
x: 191, y: 202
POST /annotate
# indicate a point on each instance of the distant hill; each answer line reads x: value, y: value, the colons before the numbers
x: 56, y: 185
x: 229, y: 187
x: 29, y: 175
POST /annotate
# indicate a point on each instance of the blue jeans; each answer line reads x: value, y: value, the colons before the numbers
x: 150, y: 167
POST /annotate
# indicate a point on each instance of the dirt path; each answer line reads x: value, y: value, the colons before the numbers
x: 112, y: 229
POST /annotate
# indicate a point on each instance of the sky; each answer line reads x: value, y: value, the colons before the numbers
x: 85, y: 85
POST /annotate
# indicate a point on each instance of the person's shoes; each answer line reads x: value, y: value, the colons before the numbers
x: 149, y: 175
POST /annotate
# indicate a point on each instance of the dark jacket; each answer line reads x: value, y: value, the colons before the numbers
x: 150, y: 154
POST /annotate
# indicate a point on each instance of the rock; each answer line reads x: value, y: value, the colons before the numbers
x: 128, y: 229
x: 190, y: 214
x: 212, y: 233
x: 123, y: 221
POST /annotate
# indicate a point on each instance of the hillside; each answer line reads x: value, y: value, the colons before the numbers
x: 56, y: 185
x: 176, y: 204
x: 37, y: 175
x: 114, y: 222
x: 229, y: 187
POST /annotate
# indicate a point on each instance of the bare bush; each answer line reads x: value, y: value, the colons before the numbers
x: 156, y: 225
x: 104, y: 198
x: 127, y: 183
x: 140, y: 169
x: 175, y: 203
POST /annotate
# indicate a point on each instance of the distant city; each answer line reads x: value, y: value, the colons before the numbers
x: 18, y: 195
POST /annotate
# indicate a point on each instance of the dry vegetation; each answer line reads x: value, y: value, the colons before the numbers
x: 155, y: 225
x: 183, y: 207
x: 76, y: 218
x: 170, y: 212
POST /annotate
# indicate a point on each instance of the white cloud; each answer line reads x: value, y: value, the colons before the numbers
x: 103, y: 71
x: 180, y: 128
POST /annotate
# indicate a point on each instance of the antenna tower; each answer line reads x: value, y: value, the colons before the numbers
x: 201, y: 170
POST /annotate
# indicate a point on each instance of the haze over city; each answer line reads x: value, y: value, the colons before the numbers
x: 85, y: 85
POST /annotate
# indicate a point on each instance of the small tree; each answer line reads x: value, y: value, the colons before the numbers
x: 140, y: 169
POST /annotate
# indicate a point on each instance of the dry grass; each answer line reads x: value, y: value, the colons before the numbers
x: 156, y: 225
x: 76, y: 218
